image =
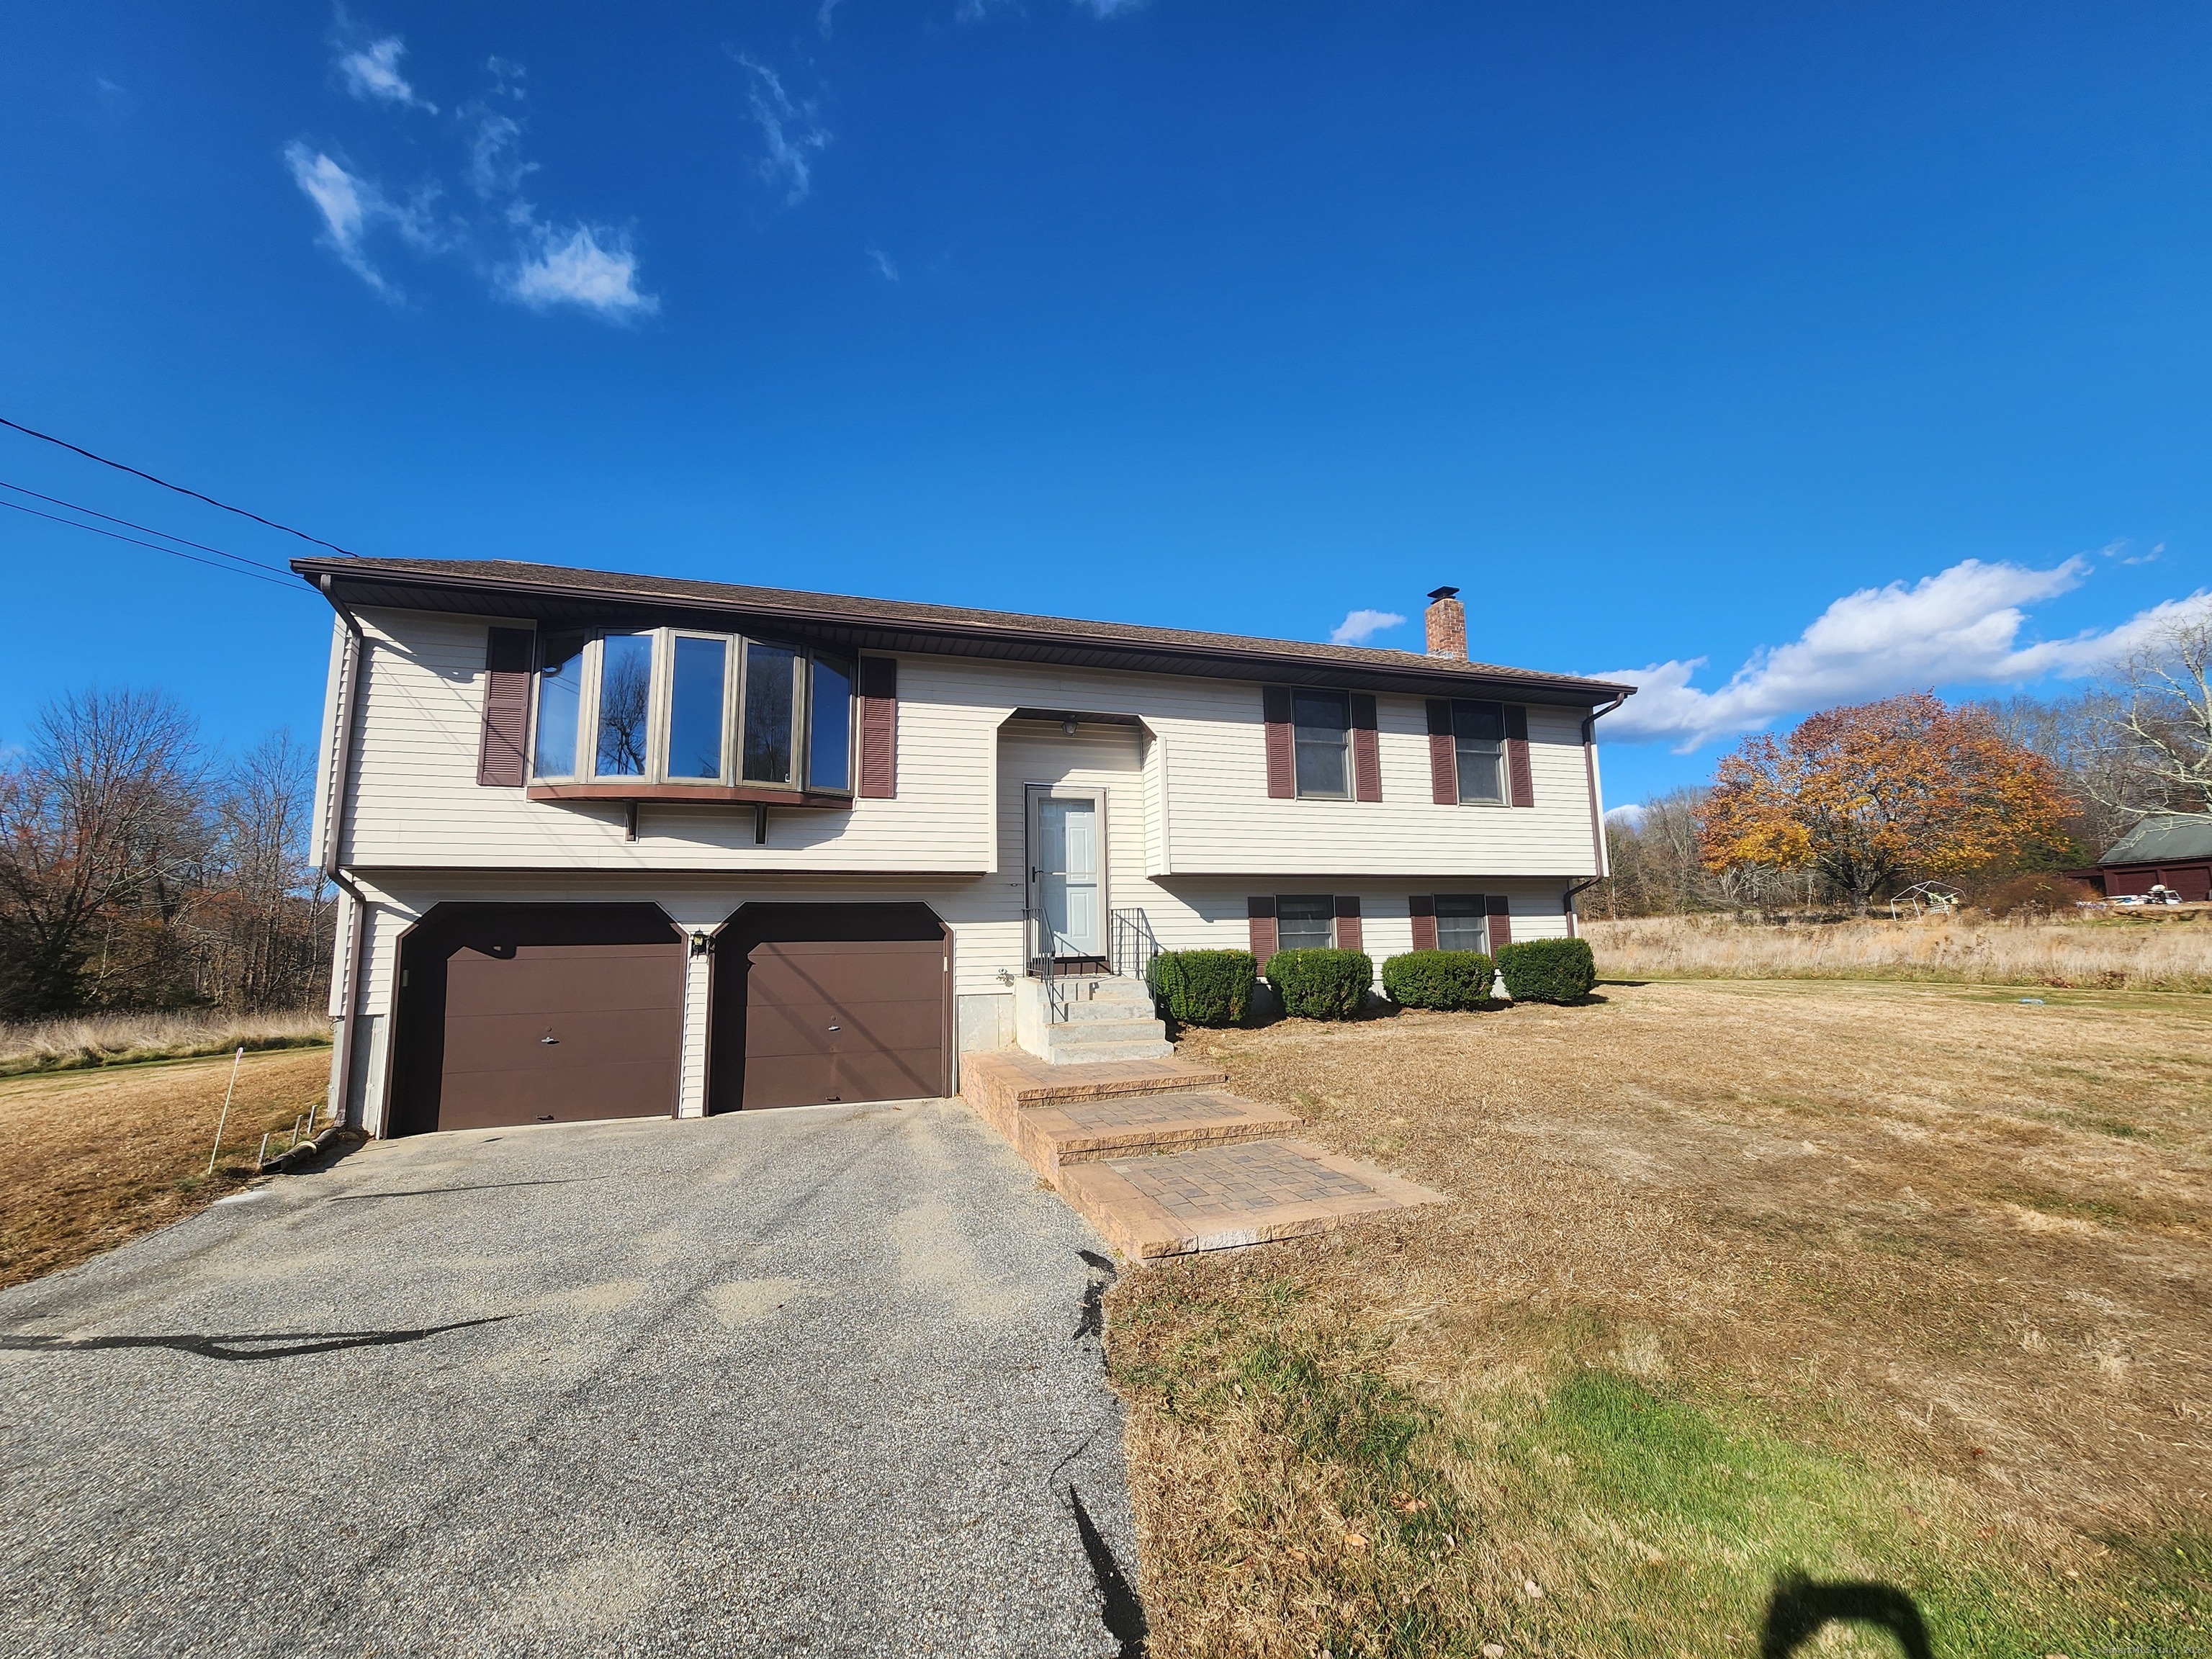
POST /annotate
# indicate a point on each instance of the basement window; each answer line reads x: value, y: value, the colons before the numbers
x: 1462, y: 922
x: 672, y: 706
x: 1305, y: 923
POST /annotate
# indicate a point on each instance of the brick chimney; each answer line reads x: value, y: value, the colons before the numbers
x: 1447, y: 621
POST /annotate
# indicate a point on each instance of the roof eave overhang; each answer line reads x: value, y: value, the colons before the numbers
x: 352, y: 584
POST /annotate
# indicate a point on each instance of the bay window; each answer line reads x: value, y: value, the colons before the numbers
x: 669, y: 706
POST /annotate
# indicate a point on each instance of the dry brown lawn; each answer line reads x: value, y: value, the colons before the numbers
x: 95, y: 1157
x: 2142, y: 950
x: 1888, y: 1282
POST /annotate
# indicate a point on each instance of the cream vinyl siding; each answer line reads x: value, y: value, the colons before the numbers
x: 1198, y: 802
x: 1109, y: 759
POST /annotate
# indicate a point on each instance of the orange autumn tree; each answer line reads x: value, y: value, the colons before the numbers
x: 1874, y: 795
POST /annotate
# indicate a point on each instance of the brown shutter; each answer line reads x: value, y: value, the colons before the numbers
x: 879, y: 727
x: 1501, y: 921
x: 1444, y: 763
x: 502, y: 761
x: 1261, y: 912
x: 1424, y: 908
x: 1366, y: 755
x: 1517, y: 754
x: 1282, y: 758
x: 1347, y: 924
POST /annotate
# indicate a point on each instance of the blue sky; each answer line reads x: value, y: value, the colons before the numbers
x: 1663, y: 332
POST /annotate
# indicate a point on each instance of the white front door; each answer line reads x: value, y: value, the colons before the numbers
x: 1065, y: 877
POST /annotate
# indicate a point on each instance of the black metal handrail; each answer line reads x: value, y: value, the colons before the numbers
x: 1130, y: 943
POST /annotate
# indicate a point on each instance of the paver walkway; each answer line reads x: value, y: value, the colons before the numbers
x: 820, y: 1382
x: 1164, y: 1164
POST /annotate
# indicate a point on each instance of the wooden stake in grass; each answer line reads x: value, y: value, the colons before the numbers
x: 225, y: 1118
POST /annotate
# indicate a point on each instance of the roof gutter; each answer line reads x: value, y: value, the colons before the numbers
x: 348, y: 989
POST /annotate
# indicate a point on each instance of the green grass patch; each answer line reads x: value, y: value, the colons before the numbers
x: 1653, y: 1521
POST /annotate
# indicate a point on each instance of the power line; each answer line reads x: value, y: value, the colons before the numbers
x: 78, y: 507
x: 229, y: 570
x: 50, y: 438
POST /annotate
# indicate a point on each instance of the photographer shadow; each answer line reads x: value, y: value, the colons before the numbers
x: 1799, y: 1607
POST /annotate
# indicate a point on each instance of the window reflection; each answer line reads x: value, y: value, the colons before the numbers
x: 768, y: 670
x: 829, y: 727
x: 695, y: 711
x: 625, y: 694
x: 560, y: 700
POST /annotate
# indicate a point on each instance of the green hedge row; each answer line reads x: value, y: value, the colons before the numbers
x: 1548, y: 969
x: 1205, y: 987
x: 1439, y: 979
x: 1322, y: 984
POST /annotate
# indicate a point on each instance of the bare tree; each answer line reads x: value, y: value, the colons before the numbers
x: 101, y: 826
x: 258, y: 923
x: 2159, y: 726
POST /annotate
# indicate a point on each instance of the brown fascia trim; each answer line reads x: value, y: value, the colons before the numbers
x: 688, y: 794
x: 1256, y: 662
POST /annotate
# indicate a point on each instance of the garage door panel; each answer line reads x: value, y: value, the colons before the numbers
x: 805, y: 1029
x: 891, y: 1074
x: 560, y: 978
x: 787, y: 1081
x: 486, y: 1100
x: 481, y: 1043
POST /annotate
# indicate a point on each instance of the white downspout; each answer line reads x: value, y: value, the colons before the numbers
x: 346, y: 964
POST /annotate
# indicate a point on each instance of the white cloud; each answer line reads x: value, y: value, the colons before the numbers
x: 372, y: 74
x: 539, y: 263
x: 884, y: 268
x: 1360, y: 626
x: 574, y: 267
x: 788, y: 129
x: 1631, y: 813
x: 351, y: 206
x: 1961, y: 626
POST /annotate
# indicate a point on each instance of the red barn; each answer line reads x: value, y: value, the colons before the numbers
x: 2174, y: 852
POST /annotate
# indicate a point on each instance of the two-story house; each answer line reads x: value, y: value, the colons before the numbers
x: 626, y: 846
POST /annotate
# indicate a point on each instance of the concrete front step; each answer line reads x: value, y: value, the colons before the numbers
x: 1073, y: 1053
x: 1220, y: 1197
x: 1083, y: 1131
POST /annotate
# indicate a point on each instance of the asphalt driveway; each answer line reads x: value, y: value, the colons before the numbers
x: 815, y: 1381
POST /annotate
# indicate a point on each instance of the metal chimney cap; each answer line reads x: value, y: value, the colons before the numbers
x: 1444, y: 593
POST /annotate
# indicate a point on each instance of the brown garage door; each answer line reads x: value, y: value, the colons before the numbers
x: 830, y: 1003
x: 540, y: 1014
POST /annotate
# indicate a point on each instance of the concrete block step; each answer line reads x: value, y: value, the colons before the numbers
x: 1218, y: 1197
x: 1083, y: 1131
x: 1109, y: 1008
x: 1123, y: 1048
x: 1104, y: 1031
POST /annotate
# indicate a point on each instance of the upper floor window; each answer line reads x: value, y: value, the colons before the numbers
x: 667, y: 705
x: 1478, y: 745
x: 1322, y: 722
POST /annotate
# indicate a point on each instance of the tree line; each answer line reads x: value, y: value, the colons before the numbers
x: 139, y: 870
x: 1856, y: 804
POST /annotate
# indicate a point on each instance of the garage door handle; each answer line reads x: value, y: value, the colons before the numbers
x: 836, y: 1028
x: 548, y: 1039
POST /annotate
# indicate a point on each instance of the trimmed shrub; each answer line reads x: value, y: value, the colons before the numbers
x: 1322, y: 984
x: 1548, y: 969
x: 1205, y: 987
x: 1439, y: 979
